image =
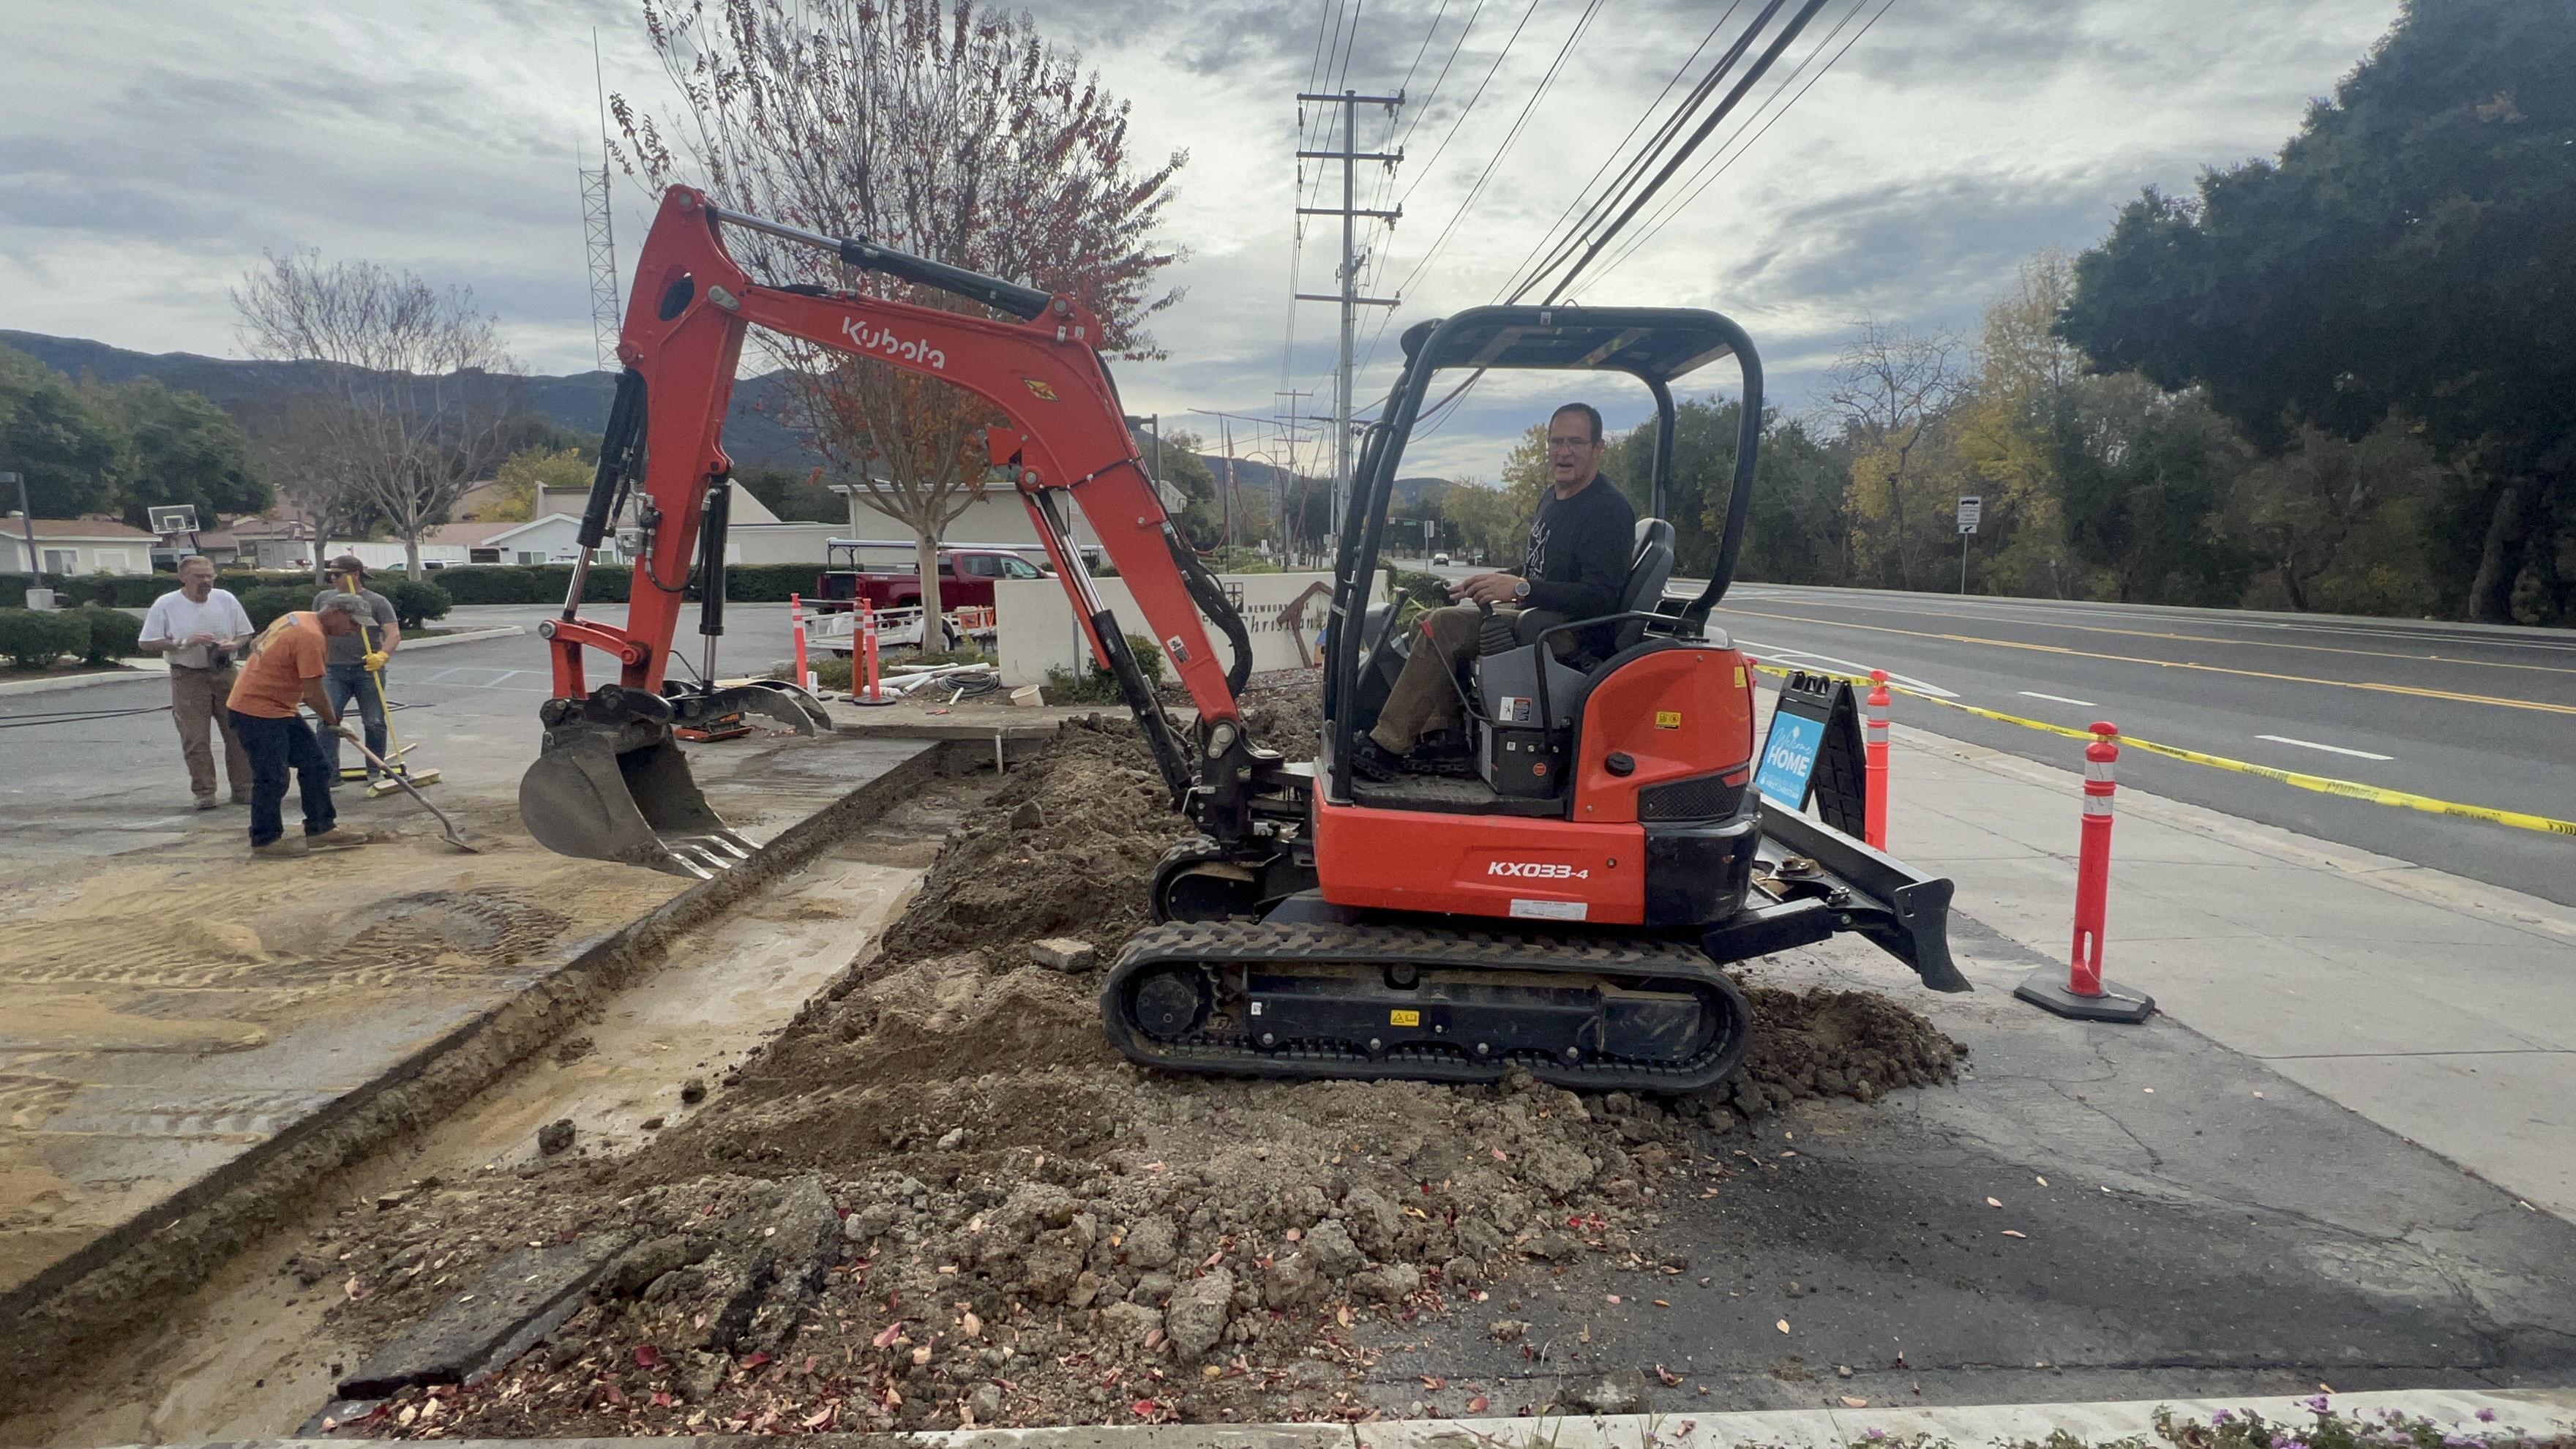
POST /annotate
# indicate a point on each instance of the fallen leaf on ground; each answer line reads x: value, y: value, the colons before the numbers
x: 1783, y: 1325
x: 1610, y: 1297
x: 2043, y: 1182
x: 1479, y: 1404
x: 1851, y: 1403
x: 2009, y: 1233
x: 1994, y: 1202
x: 647, y: 1356
x: 1667, y: 1376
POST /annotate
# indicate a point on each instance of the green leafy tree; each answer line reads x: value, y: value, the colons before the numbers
x: 792, y: 495
x: 74, y: 458
x: 2406, y: 252
x: 2145, y: 478
x: 180, y: 448
x: 526, y: 473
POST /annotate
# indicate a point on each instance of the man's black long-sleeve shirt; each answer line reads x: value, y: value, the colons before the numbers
x: 1579, y: 550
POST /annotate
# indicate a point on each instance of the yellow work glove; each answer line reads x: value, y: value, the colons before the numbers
x: 375, y: 660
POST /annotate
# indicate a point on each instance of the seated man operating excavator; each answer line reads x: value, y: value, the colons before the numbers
x: 1576, y: 567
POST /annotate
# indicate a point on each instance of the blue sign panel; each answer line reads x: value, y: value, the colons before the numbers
x: 1789, y: 758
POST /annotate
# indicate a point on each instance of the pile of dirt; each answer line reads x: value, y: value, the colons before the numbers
x: 1062, y: 849
x: 939, y: 1198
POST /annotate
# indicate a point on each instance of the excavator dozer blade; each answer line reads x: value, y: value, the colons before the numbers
x: 610, y: 783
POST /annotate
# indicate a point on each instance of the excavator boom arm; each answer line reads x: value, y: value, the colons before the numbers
x: 691, y: 308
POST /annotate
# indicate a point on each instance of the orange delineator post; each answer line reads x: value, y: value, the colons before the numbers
x: 868, y: 647
x: 796, y: 622
x: 2085, y: 995
x: 1873, y: 733
x: 2093, y: 862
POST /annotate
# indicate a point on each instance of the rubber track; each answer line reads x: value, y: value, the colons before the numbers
x: 1254, y: 943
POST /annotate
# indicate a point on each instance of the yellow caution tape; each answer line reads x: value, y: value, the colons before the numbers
x: 2322, y: 784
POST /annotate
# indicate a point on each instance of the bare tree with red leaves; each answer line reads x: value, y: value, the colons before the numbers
x: 945, y: 130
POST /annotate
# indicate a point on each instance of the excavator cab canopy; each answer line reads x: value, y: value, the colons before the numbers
x: 1655, y: 345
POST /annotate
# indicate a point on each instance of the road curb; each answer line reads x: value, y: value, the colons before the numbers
x: 119, y: 1278
x: 155, y: 668
x: 2540, y: 1411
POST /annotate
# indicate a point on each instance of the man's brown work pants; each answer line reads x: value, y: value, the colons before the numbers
x: 1425, y: 698
x: 196, y: 701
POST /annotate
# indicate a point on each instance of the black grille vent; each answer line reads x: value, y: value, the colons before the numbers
x: 1702, y: 797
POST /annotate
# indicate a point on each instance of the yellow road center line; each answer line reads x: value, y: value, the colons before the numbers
x: 2184, y: 638
x: 2322, y: 784
x: 2362, y: 684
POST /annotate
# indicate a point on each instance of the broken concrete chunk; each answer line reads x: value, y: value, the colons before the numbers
x: 523, y: 1297
x: 868, y: 1223
x: 1152, y: 1243
x: 1288, y: 1281
x: 1335, y: 1254
x: 638, y: 1267
x: 1371, y: 1219
x: 1196, y: 1316
x: 1128, y: 1323
x: 953, y: 1139
x: 555, y: 1136
x: 1063, y: 953
x: 1390, y: 1284
x: 1618, y: 1392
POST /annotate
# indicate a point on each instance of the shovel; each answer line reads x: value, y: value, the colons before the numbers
x: 395, y: 775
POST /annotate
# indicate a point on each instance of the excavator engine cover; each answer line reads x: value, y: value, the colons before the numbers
x: 610, y: 782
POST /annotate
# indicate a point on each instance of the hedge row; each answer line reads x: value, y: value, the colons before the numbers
x: 546, y: 583
x: 474, y: 584
x: 34, y: 639
x: 136, y: 591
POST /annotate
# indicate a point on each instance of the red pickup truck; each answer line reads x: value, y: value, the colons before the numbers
x: 966, y: 578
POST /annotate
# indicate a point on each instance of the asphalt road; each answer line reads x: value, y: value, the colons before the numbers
x: 2473, y: 714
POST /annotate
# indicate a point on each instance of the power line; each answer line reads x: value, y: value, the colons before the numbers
x: 1717, y: 165
x: 1662, y: 137
x: 1770, y: 53
x: 1538, y: 92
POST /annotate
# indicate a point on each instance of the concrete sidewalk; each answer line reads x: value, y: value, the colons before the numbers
x: 2440, y: 1008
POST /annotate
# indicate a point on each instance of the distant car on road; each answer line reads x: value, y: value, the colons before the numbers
x: 1440, y: 560
x: 966, y: 578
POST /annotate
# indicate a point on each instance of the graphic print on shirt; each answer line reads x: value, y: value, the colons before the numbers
x: 1533, y: 562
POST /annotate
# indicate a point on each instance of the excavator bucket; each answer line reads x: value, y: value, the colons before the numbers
x: 610, y: 781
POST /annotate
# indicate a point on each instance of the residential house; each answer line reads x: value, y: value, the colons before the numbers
x: 76, y: 546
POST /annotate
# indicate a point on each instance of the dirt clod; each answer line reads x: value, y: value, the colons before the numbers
x: 555, y: 1136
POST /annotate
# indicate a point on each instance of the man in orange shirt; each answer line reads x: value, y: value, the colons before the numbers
x: 284, y: 672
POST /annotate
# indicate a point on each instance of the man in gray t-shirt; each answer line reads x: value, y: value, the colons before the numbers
x: 356, y: 666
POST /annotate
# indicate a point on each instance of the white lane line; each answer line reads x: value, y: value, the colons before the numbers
x: 2058, y: 698
x: 1782, y: 652
x: 2329, y: 749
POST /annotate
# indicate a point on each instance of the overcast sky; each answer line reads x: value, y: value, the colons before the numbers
x: 150, y: 149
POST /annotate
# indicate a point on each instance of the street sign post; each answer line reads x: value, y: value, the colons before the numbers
x: 1969, y: 508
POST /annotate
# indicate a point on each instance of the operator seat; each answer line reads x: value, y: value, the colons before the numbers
x: 1648, y: 572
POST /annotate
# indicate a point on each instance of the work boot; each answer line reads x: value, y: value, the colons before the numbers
x: 1374, y: 761
x: 338, y: 837
x: 206, y: 801
x: 285, y: 847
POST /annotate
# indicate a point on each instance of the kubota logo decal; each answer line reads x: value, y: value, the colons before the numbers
x: 1536, y: 870
x: 868, y: 339
x: 1043, y: 392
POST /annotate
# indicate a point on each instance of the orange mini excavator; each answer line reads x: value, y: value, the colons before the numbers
x: 1567, y: 909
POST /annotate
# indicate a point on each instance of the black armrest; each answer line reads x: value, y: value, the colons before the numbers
x: 1539, y: 647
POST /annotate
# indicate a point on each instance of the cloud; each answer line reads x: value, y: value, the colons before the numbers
x: 152, y: 150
